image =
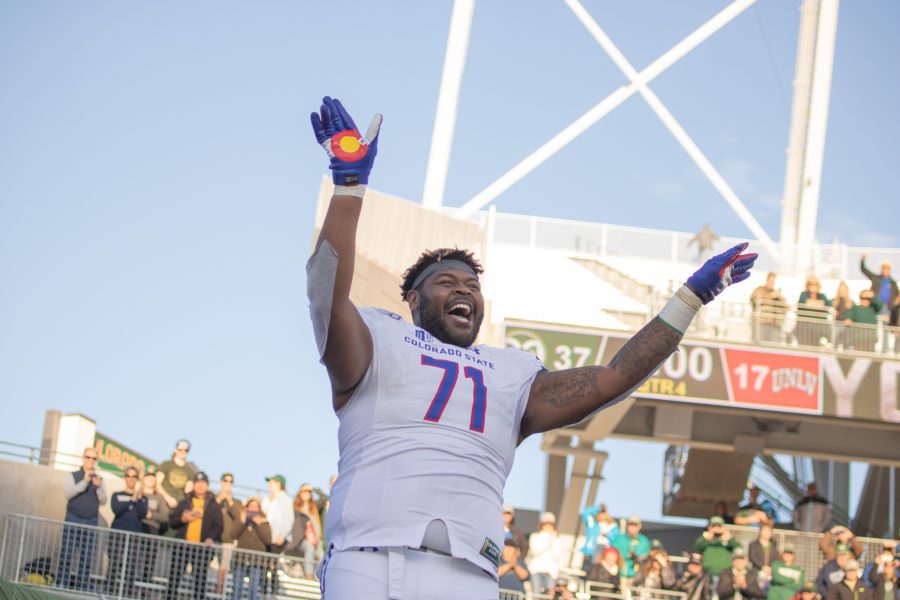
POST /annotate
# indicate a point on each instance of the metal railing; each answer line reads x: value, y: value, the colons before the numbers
x: 120, y: 564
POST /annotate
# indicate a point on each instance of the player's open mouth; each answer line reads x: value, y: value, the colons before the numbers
x: 460, y: 313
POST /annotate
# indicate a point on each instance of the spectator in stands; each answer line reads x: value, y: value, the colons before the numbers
x: 695, y: 582
x: 560, y: 589
x: 656, y: 572
x: 307, y: 510
x: 175, y: 476
x: 85, y: 492
x: 196, y: 519
x: 632, y: 545
x: 721, y: 510
x: 884, y: 288
x: 599, y: 528
x: 512, y: 570
x: 812, y: 310
x: 839, y: 534
x: 832, y: 572
x: 808, y: 592
x: 851, y: 587
x: 250, y: 531
x: 865, y: 313
x: 279, y: 510
x: 754, y: 512
x: 545, y: 554
x: 787, y: 577
x: 717, y: 547
x: 883, y: 574
x: 762, y: 551
x: 705, y: 240
x: 130, y: 508
x: 511, y: 532
x: 842, y: 303
x: 812, y: 513
x: 156, y: 522
x: 607, y: 570
x: 741, y: 580
x: 231, y: 515
x: 769, y: 308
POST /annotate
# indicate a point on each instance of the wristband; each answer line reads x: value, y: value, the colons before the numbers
x: 350, y: 190
x: 679, y: 311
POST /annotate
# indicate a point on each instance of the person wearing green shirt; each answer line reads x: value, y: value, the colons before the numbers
x: 787, y: 578
x: 716, y: 545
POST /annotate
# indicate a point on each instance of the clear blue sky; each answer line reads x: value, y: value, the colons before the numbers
x: 158, y: 177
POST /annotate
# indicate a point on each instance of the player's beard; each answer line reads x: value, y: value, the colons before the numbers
x: 431, y: 319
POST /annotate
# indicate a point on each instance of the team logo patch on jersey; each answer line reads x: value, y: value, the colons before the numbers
x: 491, y: 551
x: 424, y: 335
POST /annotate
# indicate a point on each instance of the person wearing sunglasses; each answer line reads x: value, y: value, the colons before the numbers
x: 85, y: 492
x: 129, y: 507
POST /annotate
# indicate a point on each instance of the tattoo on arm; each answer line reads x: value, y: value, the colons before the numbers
x: 645, y: 351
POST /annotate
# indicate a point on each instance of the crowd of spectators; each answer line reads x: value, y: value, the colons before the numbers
x: 878, y: 304
x: 175, y: 501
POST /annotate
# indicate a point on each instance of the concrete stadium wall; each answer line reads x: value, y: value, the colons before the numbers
x: 37, y: 490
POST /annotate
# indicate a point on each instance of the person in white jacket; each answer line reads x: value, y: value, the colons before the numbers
x: 545, y: 554
x: 280, y: 511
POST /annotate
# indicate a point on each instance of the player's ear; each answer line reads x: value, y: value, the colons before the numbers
x: 412, y: 298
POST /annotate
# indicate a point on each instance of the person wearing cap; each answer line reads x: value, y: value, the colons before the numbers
x: 510, y: 531
x: 279, y: 510
x: 716, y: 545
x: 851, y: 587
x: 787, y: 576
x: 695, y: 582
x: 606, y: 570
x: 632, y: 545
x: 175, y: 476
x: 808, y: 591
x: 832, y: 571
x: 599, y: 527
x: 763, y: 551
x: 513, y: 571
x: 545, y: 554
x: 839, y: 535
x: 741, y: 580
x: 197, y: 519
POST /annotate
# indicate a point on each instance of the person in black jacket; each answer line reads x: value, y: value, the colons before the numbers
x: 695, y: 582
x: 198, y: 520
x: 741, y: 580
x: 852, y: 587
x: 130, y: 508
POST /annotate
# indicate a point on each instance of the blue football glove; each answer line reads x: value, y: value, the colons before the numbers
x: 720, y: 271
x: 351, y: 154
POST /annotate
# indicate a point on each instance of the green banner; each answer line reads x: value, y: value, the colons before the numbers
x: 116, y: 457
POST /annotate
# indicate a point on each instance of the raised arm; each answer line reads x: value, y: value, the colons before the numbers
x: 343, y: 339
x: 567, y: 397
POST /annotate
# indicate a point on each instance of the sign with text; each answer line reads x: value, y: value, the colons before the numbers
x: 741, y: 376
x: 116, y: 457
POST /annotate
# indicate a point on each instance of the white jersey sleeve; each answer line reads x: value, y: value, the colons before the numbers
x: 429, y: 434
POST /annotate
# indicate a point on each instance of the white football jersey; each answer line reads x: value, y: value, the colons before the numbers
x: 430, y: 433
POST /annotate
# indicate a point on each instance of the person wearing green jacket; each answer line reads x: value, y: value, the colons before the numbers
x: 864, y: 338
x: 787, y: 578
x: 716, y: 545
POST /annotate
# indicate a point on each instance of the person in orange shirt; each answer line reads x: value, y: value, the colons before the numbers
x: 198, y: 520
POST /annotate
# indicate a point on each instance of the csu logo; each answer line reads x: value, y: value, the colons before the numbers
x: 423, y: 335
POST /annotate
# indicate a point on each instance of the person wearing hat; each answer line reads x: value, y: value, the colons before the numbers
x: 545, y: 554
x: 175, y: 476
x: 787, y: 577
x: 599, y: 527
x: 607, y: 570
x: 196, y: 519
x: 633, y: 545
x: 832, y: 572
x: 511, y: 532
x: 512, y: 571
x: 851, y: 587
x: 808, y: 591
x: 839, y: 535
x: 741, y: 580
x: 280, y: 511
x: 716, y: 545
x: 695, y: 582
